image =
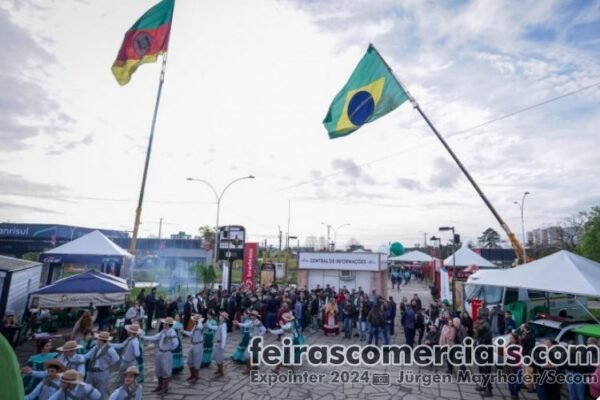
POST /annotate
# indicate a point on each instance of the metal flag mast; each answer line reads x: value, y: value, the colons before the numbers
x: 138, y: 210
x: 519, y: 250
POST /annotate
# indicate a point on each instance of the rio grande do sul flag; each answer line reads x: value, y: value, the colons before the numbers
x: 144, y: 41
x: 371, y: 92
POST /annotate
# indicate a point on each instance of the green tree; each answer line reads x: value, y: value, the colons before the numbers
x: 207, y: 233
x: 206, y: 274
x: 590, y: 239
x: 490, y: 239
x: 31, y: 256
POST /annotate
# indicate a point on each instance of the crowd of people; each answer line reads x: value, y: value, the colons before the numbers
x: 81, y: 367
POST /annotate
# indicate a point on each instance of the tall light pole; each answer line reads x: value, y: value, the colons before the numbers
x: 335, y: 234
x: 328, y: 233
x: 218, y: 197
x: 522, y: 206
x: 451, y: 228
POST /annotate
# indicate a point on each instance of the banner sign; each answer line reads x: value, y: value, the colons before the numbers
x: 52, y: 232
x: 343, y: 261
x: 249, y: 268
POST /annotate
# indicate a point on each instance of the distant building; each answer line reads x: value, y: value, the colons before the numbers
x: 553, y: 236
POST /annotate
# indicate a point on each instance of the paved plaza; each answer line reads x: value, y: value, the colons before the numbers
x: 236, y: 385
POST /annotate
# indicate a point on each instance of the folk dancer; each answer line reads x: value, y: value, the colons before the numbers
x: 285, y: 331
x: 255, y: 328
x: 220, y: 342
x: 69, y: 358
x: 129, y: 351
x: 240, y: 353
x: 73, y: 388
x: 101, y: 358
x: 163, y: 359
x: 47, y: 387
x: 209, y: 334
x: 131, y: 389
x: 194, y: 359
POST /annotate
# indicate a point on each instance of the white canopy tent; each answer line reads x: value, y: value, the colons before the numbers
x: 466, y: 257
x: 92, y: 244
x: 561, y: 272
x: 93, y: 250
x: 412, y: 256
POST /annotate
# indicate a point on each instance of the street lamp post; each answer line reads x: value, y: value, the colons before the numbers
x: 335, y: 234
x: 451, y: 228
x: 522, y: 207
x: 218, y: 197
x: 328, y: 233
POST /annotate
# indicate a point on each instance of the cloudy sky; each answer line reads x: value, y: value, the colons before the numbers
x: 248, y: 84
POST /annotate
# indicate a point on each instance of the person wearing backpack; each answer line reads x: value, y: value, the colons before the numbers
x: 375, y: 319
x: 409, y: 324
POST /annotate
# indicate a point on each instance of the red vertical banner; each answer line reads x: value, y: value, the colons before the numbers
x: 249, y: 268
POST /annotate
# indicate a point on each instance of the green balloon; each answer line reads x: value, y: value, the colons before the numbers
x: 396, y: 249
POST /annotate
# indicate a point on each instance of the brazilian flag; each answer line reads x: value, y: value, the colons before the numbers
x: 371, y: 92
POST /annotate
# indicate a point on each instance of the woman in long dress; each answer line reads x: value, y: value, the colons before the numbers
x: 240, y: 352
x: 330, y: 319
x: 209, y: 334
x: 178, y: 352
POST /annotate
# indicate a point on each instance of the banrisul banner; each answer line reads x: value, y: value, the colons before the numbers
x: 249, y: 269
x: 52, y: 232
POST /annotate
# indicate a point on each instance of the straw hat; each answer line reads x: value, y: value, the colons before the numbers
x: 168, y: 321
x: 224, y: 315
x: 255, y: 313
x: 71, y: 345
x: 288, y: 316
x: 133, y: 328
x: 103, y: 336
x: 133, y: 370
x: 71, y: 376
x: 54, y: 363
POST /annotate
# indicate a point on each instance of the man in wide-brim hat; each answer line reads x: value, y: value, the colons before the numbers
x: 286, y: 330
x: 73, y: 388
x: 100, y: 359
x: 51, y: 384
x: 129, y: 349
x: 69, y: 358
x: 130, y: 389
x: 166, y: 341
x: 194, y: 360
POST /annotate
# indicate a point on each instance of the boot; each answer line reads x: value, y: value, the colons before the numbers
x: 195, y: 372
x: 248, y: 367
x: 165, y: 386
x: 191, y: 377
x: 487, y: 393
x: 159, y: 387
x: 220, y: 371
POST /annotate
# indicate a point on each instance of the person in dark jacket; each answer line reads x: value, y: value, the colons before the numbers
x: 392, y: 309
x: 484, y: 337
x: 509, y: 323
x: 150, y: 308
x: 188, y: 307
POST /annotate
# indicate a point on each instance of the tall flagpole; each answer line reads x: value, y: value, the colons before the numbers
x: 519, y: 251
x: 138, y: 211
